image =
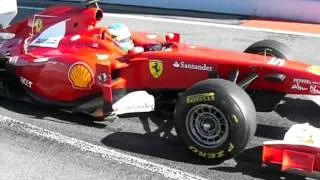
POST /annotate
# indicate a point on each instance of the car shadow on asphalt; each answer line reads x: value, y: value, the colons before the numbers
x: 300, y: 111
x: 249, y: 163
x: 295, y: 110
x: 163, y: 143
x: 46, y: 113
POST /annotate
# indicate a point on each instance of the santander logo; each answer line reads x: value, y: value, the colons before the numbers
x: 184, y: 65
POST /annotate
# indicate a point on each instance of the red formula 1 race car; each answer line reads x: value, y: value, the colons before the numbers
x: 62, y: 58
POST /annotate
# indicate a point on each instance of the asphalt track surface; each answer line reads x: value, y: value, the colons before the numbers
x: 153, y: 139
x: 24, y: 156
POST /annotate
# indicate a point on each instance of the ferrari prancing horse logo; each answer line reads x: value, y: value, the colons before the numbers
x: 37, y: 25
x: 155, y: 68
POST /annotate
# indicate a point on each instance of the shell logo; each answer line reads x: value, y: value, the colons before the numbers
x: 81, y: 76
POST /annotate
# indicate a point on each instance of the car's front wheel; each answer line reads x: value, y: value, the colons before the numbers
x: 215, y: 118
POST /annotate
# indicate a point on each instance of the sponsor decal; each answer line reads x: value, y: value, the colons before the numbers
x: 314, y: 90
x: 81, y: 76
x: 184, y: 65
x: 41, y: 40
x: 103, y: 77
x: 37, y: 25
x: 17, y: 61
x: 304, y: 81
x: 136, y: 108
x: 298, y: 87
x: 314, y: 70
x: 297, y: 84
x: 277, y: 61
x: 47, y: 41
x: 137, y: 101
x: 155, y: 68
x: 51, y: 36
x: 26, y: 82
x: 204, y: 97
x: 312, y: 86
x: 13, y: 60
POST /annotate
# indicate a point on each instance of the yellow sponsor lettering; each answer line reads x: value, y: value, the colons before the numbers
x: 234, y: 117
x: 220, y: 153
x: 211, y: 155
x: 202, y: 154
x: 193, y: 149
x: 204, y: 97
x: 231, y: 147
x: 205, y: 154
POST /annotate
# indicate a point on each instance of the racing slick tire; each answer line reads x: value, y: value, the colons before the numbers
x: 215, y: 119
x: 276, y: 48
x: 266, y: 101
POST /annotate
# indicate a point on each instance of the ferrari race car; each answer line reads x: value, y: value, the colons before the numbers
x: 61, y: 57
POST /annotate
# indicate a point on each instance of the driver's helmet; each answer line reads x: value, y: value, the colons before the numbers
x: 121, y: 34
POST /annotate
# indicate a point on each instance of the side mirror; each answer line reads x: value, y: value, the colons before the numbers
x: 173, y: 37
x: 136, y: 50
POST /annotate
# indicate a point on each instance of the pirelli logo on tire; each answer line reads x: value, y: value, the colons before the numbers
x: 203, y: 97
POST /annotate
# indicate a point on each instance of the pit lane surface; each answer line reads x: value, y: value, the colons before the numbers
x: 24, y: 156
x: 153, y: 139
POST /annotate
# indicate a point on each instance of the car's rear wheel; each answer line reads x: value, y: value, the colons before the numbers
x: 270, y: 48
x: 215, y: 118
x: 266, y: 101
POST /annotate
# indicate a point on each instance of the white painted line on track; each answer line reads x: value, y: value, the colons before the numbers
x: 208, y: 24
x: 105, y: 152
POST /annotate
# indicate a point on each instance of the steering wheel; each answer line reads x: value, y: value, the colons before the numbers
x: 158, y: 47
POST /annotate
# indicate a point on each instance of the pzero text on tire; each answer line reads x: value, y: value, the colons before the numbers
x: 215, y: 118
